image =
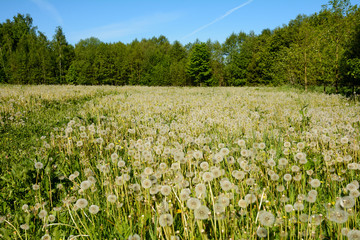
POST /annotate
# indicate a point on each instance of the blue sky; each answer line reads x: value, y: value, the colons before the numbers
x: 183, y: 20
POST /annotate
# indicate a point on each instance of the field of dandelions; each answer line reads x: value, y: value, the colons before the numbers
x: 177, y: 163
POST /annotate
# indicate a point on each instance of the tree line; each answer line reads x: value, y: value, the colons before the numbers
x: 322, y: 49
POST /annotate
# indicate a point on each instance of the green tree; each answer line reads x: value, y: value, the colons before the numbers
x: 177, y: 70
x: 64, y: 54
x: 351, y: 59
x: 337, y: 33
x: 198, y: 66
x: 85, y: 60
x: 236, y: 59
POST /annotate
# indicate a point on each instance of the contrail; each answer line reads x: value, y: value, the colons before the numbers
x: 218, y: 19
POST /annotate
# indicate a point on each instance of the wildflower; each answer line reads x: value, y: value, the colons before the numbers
x: 249, y: 182
x: 166, y: 220
x: 280, y: 188
x: 239, y: 175
x: 338, y: 215
x: 146, y: 183
x: 219, y: 208
x: 208, y: 176
x: 225, y: 201
x: 217, y: 158
x: 121, y: 164
x: 39, y: 165
x: 202, y: 212
x: 262, y: 232
x: 250, y: 198
x: 198, y: 155
x: 287, y: 177
x: 24, y: 226
x: 51, y: 218
x: 316, y: 219
x: 351, y: 187
x: 42, y: 214
x: 165, y: 190
x: 184, y: 194
x: 204, y: 166
x: 226, y: 185
x: 289, y: 208
x: 148, y: 171
x: 266, y: 218
x: 241, y: 143
x: 94, y: 209
x: 347, y: 202
x: 315, y: 183
x: 353, y: 234
x: 224, y: 151
x: 111, y: 198
x: 79, y: 143
x: 261, y: 146
x: 283, y: 162
x: 85, y: 184
x: 297, y: 177
x: 295, y: 168
x: 300, y: 145
x: 154, y: 190
x: 46, y: 237
x: 354, y: 194
x: 344, y: 140
x: 311, y: 198
x: 25, y: 207
x: 304, y: 218
x: 135, y: 236
x: 345, y: 231
x: 81, y: 203
x: 200, y: 190
x: 193, y: 203
x: 271, y: 163
x: 299, y: 206
x: 243, y: 203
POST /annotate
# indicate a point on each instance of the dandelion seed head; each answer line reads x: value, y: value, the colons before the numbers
x: 202, y: 213
x: 193, y: 203
x: 46, y: 237
x: 81, y: 203
x: 261, y: 232
x: 94, y: 209
x: 266, y: 218
x: 146, y: 183
x: 111, y: 198
x: 25, y: 227
x: 165, y: 190
x: 39, y: 165
x: 208, y: 176
x: 315, y: 183
x: 166, y: 220
x: 42, y: 214
x: 85, y: 184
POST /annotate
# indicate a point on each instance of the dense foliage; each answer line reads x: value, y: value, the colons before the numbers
x: 317, y: 50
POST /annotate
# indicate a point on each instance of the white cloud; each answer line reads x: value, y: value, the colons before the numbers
x: 217, y: 19
x: 124, y: 28
x: 48, y: 7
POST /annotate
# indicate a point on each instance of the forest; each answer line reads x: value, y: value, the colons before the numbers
x: 321, y: 50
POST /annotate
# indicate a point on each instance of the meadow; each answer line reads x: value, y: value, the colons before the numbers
x: 101, y: 162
